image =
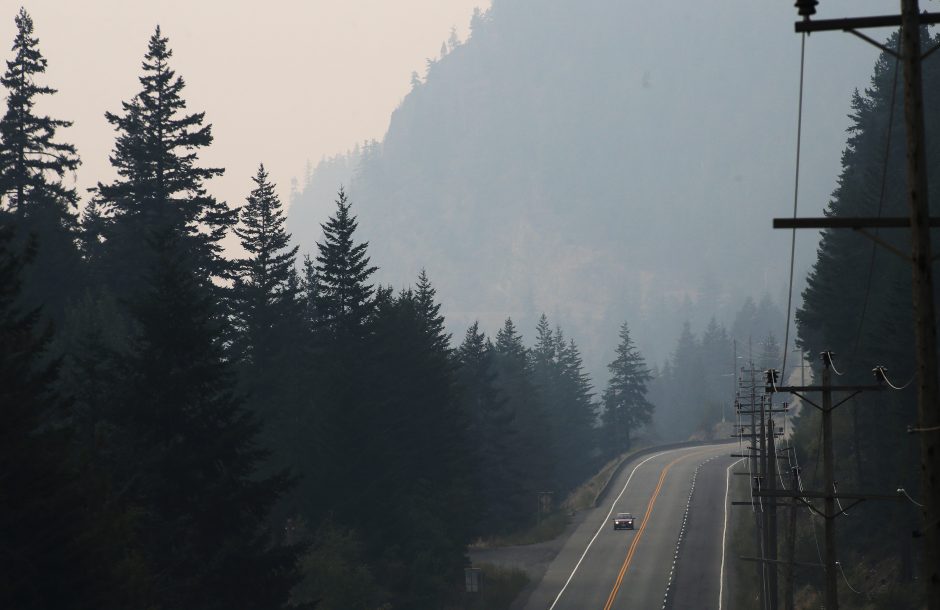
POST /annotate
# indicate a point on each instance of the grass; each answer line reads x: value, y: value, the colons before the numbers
x: 499, y: 588
x: 550, y: 527
x: 585, y: 496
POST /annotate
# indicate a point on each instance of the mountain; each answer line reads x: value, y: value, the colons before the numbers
x: 594, y: 159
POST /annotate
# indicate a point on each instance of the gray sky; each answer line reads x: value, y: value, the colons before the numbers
x: 282, y: 82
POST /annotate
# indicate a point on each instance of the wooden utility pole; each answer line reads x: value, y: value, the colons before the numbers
x: 791, y: 542
x: 772, y: 512
x: 832, y: 590
x: 928, y: 398
x: 828, y: 494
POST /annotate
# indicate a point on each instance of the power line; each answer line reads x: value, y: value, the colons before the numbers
x: 796, y: 198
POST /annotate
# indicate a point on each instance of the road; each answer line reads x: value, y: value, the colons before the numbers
x: 599, y: 568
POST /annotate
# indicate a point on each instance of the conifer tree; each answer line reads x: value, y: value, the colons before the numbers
x: 625, y: 404
x: 342, y: 359
x: 413, y: 414
x: 514, y: 379
x: 268, y: 322
x: 187, y: 457
x: 343, y: 271
x: 575, y: 438
x: 53, y: 554
x: 33, y: 166
x: 564, y: 390
x: 160, y: 184
x: 493, y: 436
x: 717, y: 353
x: 264, y: 296
x: 680, y: 417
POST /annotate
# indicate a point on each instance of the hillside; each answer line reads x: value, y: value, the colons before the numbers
x: 569, y: 158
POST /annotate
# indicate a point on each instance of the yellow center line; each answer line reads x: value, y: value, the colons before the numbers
x: 639, y: 532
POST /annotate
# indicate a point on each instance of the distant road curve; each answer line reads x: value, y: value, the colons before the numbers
x: 599, y: 568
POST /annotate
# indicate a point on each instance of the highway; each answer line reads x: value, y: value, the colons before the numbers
x: 599, y: 568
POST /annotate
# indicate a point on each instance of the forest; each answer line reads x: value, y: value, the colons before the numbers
x: 189, y: 424
x: 189, y: 429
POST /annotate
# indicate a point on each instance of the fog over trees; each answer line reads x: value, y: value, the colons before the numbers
x: 571, y: 159
x: 532, y: 274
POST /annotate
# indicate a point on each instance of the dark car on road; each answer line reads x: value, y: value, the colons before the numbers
x: 623, y: 521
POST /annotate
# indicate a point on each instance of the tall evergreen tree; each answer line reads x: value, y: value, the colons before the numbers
x: 33, y: 167
x: 564, y: 390
x: 160, y: 184
x: 625, y: 404
x: 263, y: 295
x: 500, y: 503
x: 575, y: 438
x: 685, y: 411
x: 343, y: 359
x: 536, y: 440
x: 186, y: 456
x: 413, y: 414
x: 268, y: 323
x: 343, y: 272
x: 717, y: 353
x: 55, y: 554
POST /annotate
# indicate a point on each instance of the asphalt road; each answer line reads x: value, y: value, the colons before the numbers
x: 599, y: 568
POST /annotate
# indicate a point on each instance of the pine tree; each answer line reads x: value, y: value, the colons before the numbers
x: 54, y: 556
x: 342, y: 362
x: 771, y: 353
x: 625, y: 404
x: 564, y: 390
x: 263, y: 295
x: 344, y: 294
x: 268, y: 322
x: 187, y: 457
x: 536, y: 439
x: 717, y: 353
x: 160, y: 185
x: 500, y: 503
x: 33, y: 166
x: 575, y: 438
x: 412, y: 413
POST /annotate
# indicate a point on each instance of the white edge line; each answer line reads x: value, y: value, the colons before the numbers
x: 604, y: 524
x: 724, y: 535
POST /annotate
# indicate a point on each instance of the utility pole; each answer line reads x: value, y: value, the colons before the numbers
x: 832, y: 590
x: 791, y: 541
x: 928, y: 397
x: 828, y: 494
x: 772, y: 511
x: 762, y: 469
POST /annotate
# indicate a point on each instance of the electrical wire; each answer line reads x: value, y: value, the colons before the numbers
x: 835, y: 490
x: 832, y: 365
x: 796, y: 198
x: 884, y: 377
x: 847, y: 583
x: 908, y: 496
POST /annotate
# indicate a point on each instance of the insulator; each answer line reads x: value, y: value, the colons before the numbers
x: 806, y: 8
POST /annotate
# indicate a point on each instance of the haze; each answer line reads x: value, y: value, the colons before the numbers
x: 282, y: 82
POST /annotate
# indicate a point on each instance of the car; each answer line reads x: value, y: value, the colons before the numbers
x: 623, y: 521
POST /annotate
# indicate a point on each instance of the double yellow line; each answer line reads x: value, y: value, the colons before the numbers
x: 639, y: 532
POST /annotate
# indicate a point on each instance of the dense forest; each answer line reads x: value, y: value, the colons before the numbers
x: 857, y: 304
x: 187, y: 429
